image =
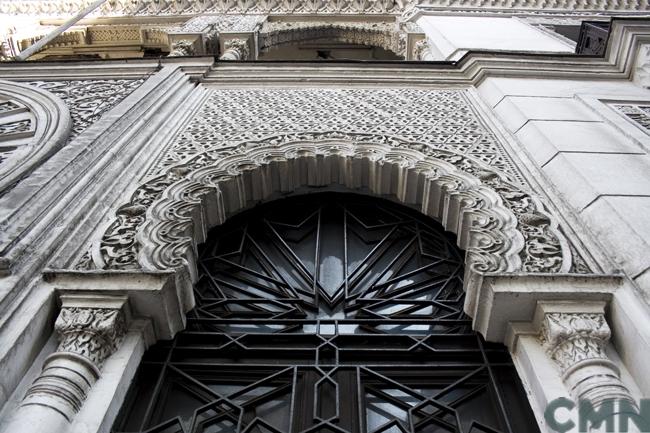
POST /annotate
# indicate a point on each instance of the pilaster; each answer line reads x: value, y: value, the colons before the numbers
x: 89, y: 330
x: 575, y: 337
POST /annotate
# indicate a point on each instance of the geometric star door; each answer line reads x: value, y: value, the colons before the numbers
x: 328, y: 313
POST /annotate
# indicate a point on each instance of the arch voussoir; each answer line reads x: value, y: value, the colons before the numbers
x: 179, y: 220
x: 495, y: 221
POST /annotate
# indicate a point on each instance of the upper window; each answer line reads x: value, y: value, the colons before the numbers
x: 328, y: 313
x: 329, y: 40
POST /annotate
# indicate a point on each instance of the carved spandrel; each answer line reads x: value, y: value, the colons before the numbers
x: 88, y: 100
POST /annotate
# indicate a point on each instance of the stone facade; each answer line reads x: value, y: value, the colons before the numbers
x: 112, y: 172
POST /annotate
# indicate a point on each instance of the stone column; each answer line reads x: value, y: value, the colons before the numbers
x: 88, y: 332
x: 235, y: 49
x: 576, y: 341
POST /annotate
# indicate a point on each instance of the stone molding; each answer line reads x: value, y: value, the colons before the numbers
x: 575, y: 338
x: 626, y: 36
x: 34, y: 124
x: 503, y: 228
x: 89, y: 332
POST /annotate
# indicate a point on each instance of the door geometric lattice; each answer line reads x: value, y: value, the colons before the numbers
x: 328, y: 313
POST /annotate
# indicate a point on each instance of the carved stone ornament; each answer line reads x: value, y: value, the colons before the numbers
x: 182, y: 48
x: 422, y: 50
x: 577, y: 342
x: 175, y: 7
x: 87, y: 336
x: 570, y: 338
x: 94, y: 333
x: 88, y: 100
x: 639, y: 113
x: 503, y: 228
x: 236, y: 49
x: 34, y: 124
x: 443, y: 119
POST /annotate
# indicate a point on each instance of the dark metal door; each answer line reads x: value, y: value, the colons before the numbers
x: 328, y: 313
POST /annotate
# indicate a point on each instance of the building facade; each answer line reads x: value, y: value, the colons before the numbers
x: 323, y: 215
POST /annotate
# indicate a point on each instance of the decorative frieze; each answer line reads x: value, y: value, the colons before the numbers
x: 444, y: 119
x: 171, y: 7
x: 223, y: 23
x: 576, y: 342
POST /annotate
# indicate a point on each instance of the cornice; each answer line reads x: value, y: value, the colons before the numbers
x: 57, y: 8
x: 626, y: 36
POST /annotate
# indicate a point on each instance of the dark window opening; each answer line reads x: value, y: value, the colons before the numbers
x: 593, y: 38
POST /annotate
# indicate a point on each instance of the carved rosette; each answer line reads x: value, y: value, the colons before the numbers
x: 236, y: 49
x: 87, y: 336
x: 576, y: 342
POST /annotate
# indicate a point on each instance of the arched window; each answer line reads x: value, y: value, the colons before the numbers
x: 334, y: 40
x: 328, y: 313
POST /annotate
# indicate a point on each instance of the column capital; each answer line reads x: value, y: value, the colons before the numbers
x: 94, y: 333
x: 90, y: 328
x: 570, y: 338
x: 575, y: 336
x: 183, y: 47
x: 235, y: 49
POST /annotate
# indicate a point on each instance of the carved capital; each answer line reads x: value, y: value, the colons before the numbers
x: 182, y: 48
x: 93, y: 333
x: 236, y: 49
x: 570, y: 338
x: 422, y: 50
x: 576, y: 341
x: 88, y: 335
